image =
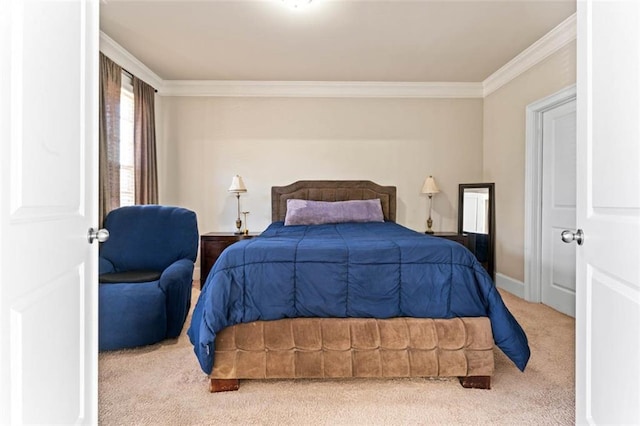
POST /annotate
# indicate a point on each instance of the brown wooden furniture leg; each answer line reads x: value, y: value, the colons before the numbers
x: 476, y: 382
x: 223, y: 385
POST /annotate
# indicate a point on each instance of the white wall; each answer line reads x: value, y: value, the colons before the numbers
x: 204, y: 141
x: 504, y: 149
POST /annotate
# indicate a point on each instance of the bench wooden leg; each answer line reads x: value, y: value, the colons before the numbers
x: 471, y: 382
x: 476, y: 382
x: 223, y: 385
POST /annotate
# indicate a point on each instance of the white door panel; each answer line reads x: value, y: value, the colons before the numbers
x: 48, y: 275
x: 558, y: 279
x: 608, y: 210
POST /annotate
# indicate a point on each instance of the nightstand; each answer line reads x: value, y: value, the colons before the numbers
x: 469, y: 241
x: 454, y: 236
x: 212, y: 244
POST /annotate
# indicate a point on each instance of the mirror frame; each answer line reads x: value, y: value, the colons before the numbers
x: 492, y: 220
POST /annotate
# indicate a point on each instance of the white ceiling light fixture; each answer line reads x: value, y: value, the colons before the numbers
x: 297, y: 4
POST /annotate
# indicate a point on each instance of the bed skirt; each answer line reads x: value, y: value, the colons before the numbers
x: 354, y: 347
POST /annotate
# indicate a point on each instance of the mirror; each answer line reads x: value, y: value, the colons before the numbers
x: 476, y: 220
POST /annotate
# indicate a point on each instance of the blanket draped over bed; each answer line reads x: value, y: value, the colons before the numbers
x: 361, y: 270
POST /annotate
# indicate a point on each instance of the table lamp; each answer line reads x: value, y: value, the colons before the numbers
x: 237, y: 186
x: 430, y: 188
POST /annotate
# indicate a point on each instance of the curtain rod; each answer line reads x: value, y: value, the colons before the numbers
x: 131, y: 76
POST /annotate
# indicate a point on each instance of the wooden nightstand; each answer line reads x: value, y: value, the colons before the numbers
x: 454, y: 236
x: 467, y: 240
x: 212, y: 244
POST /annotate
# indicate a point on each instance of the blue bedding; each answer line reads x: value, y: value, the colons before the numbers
x: 380, y: 270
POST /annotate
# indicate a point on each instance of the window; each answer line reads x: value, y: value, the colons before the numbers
x: 127, y: 171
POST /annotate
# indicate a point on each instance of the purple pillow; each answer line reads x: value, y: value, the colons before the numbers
x: 307, y: 212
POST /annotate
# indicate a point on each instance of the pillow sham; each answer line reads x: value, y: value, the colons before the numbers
x: 308, y: 212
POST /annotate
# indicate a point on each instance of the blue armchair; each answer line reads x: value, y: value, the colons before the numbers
x: 146, y: 269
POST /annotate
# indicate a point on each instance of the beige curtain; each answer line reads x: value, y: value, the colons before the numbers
x: 109, y: 149
x: 146, y: 174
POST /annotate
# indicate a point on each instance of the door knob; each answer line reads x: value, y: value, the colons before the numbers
x: 570, y: 236
x: 101, y: 235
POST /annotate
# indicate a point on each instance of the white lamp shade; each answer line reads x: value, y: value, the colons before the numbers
x: 430, y: 186
x: 237, y: 185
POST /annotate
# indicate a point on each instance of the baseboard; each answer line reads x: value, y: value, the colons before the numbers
x: 509, y: 284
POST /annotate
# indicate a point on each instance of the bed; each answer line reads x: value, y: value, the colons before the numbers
x: 340, y: 300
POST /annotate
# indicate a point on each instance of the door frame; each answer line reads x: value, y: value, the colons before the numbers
x: 533, y: 190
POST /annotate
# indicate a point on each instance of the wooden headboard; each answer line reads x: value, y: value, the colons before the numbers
x: 332, y: 190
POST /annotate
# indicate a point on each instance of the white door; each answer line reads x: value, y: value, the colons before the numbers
x: 608, y: 210
x: 558, y: 274
x: 48, y: 181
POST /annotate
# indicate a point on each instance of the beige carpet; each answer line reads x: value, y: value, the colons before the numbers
x: 163, y: 385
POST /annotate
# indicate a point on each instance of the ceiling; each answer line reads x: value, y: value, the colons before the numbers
x: 330, y: 40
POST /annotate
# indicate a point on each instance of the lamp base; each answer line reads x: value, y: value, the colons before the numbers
x: 238, y: 226
x: 429, y: 223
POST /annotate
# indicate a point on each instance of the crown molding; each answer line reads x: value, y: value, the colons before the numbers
x: 126, y: 60
x: 320, y: 89
x: 550, y: 43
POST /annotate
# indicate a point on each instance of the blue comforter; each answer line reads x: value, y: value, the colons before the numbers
x: 379, y: 270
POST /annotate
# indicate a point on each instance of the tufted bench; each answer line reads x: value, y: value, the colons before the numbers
x: 354, y: 347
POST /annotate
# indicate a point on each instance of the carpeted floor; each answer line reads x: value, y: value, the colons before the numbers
x: 163, y: 385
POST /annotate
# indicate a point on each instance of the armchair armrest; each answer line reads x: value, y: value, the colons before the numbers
x: 176, y: 282
x: 105, y: 266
